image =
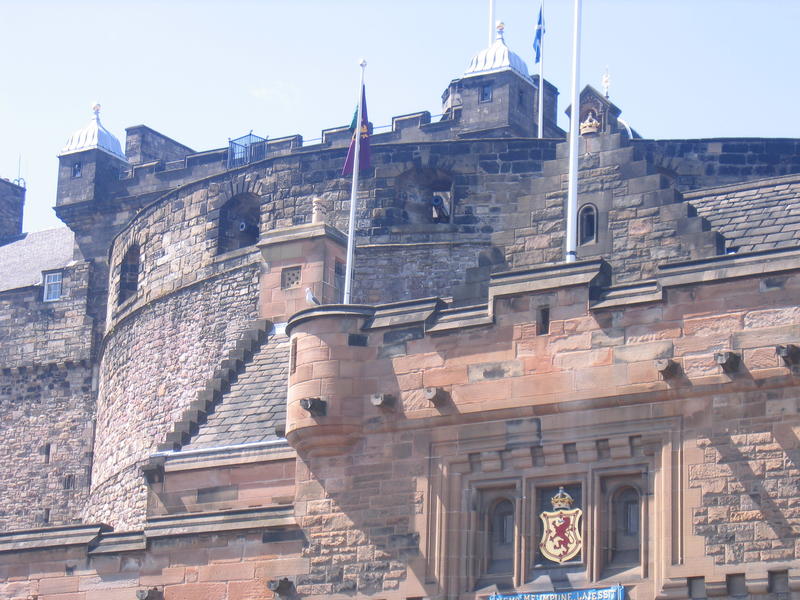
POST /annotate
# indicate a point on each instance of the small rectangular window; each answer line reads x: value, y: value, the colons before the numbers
x: 339, y: 275
x: 736, y: 584
x: 570, y: 453
x: 543, y: 321
x: 486, y: 92
x: 697, y: 587
x: 77, y: 170
x: 778, y: 582
x: 52, y: 286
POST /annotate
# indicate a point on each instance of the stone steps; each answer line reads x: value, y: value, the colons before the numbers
x: 230, y: 367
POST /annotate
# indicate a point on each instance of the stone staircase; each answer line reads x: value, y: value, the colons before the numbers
x: 249, y: 342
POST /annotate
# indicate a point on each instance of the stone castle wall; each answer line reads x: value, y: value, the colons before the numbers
x: 46, y: 403
x: 33, y: 332
x: 705, y: 163
x: 607, y: 414
x: 153, y: 364
x: 47, y: 412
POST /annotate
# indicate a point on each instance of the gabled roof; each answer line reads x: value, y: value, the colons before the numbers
x: 756, y: 215
x: 255, y: 404
x: 23, y: 260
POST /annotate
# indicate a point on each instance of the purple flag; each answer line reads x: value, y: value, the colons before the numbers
x: 364, y: 153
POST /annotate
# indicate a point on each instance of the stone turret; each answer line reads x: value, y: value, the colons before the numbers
x: 497, y: 97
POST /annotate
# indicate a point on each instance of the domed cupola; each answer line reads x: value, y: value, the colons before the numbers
x: 94, y: 137
x: 497, y: 57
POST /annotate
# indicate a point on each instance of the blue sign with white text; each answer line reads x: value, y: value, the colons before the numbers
x: 611, y: 593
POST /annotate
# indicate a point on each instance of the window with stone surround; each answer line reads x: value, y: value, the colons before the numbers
x: 587, y: 225
x: 52, y: 286
x: 239, y: 223
x: 77, y: 169
x: 609, y: 474
x: 497, y: 534
x: 424, y: 196
x: 626, y: 529
x: 622, y: 522
x: 501, y: 537
x: 486, y: 92
x: 129, y: 274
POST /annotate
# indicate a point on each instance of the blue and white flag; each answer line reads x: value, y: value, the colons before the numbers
x: 537, y: 40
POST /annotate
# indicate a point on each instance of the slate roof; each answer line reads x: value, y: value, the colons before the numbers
x: 757, y: 215
x: 22, y: 261
x: 255, y: 403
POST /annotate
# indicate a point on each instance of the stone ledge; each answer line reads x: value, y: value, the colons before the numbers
x: 205, y: 458
x: 459, y: 318
x: 36, y: 539
x: 363, y: 311
x: 729, y: 266
x: 405, y: 313
x: 595, y: 273
x: 54, y: 366
x: 626, y: 295
x: 233, y: 520
x: 301, y: 232
x: 114, y: 543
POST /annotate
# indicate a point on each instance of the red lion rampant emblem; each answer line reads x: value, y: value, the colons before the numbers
x: 561, y: 534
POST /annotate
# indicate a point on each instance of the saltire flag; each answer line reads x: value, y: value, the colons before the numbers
x: 537, y: 39
x: 364, y: 152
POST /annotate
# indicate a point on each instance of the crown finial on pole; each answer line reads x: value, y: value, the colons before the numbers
x: 606, y: 82
x: 500, y: 28
x: 96, y: 109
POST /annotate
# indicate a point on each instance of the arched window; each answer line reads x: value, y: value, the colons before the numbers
x: 626, y: 508
x: 587, y: 225
x: 129, y: 274
x: 501, y: 537
x: 239, y: 223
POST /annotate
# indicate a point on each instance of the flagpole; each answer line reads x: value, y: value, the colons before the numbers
x: 491, y: 24
x: 574, y: 117
x: 351, y: 228
x: 541, y: 75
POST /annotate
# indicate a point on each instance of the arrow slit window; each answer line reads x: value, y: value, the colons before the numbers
x: 129, y: 274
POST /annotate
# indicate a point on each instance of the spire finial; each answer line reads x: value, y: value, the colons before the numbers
x: 96, y: 109
x: 500, y: 27
x: 606, y: 82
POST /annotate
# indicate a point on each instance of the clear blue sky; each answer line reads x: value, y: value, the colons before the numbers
x: 202, y: 72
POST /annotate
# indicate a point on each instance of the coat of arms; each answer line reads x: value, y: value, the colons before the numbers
x: 561, y: 532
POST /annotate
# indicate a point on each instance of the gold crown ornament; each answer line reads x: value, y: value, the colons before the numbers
x: 562, y: 499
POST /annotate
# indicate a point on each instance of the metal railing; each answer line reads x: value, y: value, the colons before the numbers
x: 246, y: 149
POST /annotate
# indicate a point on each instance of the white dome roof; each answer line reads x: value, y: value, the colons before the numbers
x: 94, y: 136
x: 497, y: 57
